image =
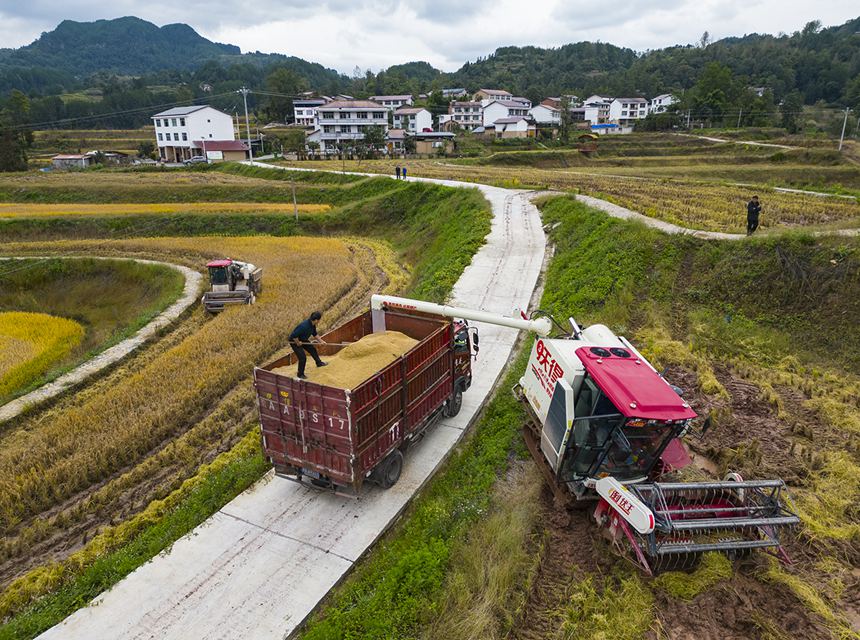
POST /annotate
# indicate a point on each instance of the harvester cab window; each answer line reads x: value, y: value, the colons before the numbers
x: 218, y: 275
x: 595, y: 420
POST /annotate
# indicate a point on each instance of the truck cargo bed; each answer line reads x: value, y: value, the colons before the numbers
x: 336, y: 437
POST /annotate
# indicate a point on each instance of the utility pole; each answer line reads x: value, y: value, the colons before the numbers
x: 844, y: 123
x: 295, y: 206
x: 688, y: 119
x: 245, y: 93
x: 740, y: 112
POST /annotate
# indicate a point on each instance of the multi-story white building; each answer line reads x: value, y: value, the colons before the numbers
x: 497, y: 109
x: 182, y: 132
x: 626, y: 111
x: 660, y: 103
x: 413, y: 119
x: 393, y: 102
x: 305, y: 110
x: 546, y: 114
x: 463, y: 114
x: 344, y: 121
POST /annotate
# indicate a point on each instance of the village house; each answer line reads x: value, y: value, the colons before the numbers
x: 72, y: 161
x: 393, y: 102
x: 491, y: 94
x: 496, y: 109
x: 430, y: 142
x: 413, y: 119
x: 305, y: 110
x: 344, y: 121
x: 660, y: 103
x: 462, y: 114
x: 625, y: 111
x: 545, y: 114
x: 454, y: 93
x: 180, y: 131
x: 516, y: 127
x: 394, y: 141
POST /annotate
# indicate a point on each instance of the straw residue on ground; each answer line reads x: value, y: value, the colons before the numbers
x: 357, y: 361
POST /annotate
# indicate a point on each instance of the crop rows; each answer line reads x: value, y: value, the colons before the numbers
x: 18, y: 210
x: 85, y: 440
x: 30, y: 343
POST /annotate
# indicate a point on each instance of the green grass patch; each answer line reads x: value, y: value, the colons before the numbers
x: 714, y: 568
x: 619, y: 607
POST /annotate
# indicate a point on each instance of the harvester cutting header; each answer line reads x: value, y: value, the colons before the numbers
x: 604, y: 427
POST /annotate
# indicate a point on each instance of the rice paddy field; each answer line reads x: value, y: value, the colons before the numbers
x: 116, y: 464
x: 683, y: 180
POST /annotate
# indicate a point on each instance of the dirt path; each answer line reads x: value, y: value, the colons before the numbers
x: 115, y: 353
x: 749, y: 142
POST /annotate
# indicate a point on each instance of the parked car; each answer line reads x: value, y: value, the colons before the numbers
x: 196, y: 160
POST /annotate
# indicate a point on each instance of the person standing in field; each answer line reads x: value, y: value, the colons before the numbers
x: 397, y: 171
x: 300, y: 341
x: 403, y: 170
x: 753, y: 211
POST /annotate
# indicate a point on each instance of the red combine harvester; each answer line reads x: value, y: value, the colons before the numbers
x: 231, y: 282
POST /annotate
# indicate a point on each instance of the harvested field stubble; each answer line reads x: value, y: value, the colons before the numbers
x: 357, y: 361
x: 16, y: 210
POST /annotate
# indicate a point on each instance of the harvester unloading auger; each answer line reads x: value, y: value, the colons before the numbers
x: 605, y: 427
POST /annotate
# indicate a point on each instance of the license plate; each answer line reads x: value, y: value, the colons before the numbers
x: 311, y: 473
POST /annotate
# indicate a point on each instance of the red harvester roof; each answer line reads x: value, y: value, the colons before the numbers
x: 220, y: 263
x: 634, y: 387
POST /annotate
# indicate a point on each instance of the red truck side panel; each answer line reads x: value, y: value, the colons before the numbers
x: 344, y: 434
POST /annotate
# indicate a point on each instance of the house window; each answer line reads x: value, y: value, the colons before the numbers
x: 159, y: 137
x: 185, y: 136
x: 173, y: 122
x: 157, y: 122
x: 379, y: 114
x: 181, y: 122
x: 176, y: 137
x: 361, y: 115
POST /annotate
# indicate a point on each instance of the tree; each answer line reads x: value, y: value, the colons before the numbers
x: 286, y: 84
x: 409, y: 144
x: 705, y: 40
x: 146, y: 149
x: 13, y: 156
x: 292, y: 141
x: 374, y: 139
x: 564, y: 119
x: 790, y: 110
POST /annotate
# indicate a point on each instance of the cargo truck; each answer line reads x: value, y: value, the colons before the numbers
x: 338, y: 439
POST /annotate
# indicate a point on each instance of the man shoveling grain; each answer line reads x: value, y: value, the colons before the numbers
x: 300, y: 341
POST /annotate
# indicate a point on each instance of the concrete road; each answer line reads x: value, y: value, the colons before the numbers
x: 259, y: 566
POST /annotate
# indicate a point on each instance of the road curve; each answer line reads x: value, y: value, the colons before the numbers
x: 113, y: 354
x: 260, y: 565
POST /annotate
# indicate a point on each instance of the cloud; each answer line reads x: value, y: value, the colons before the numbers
x: 375, y: 34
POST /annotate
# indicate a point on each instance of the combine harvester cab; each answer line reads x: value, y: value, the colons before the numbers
x: 605, y: 427
x: 232, y: 282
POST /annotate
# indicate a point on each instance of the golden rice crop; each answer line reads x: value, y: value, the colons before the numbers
x: 20, y: 210
x: 711, y: 206
x: 30, y: 343
x: 82, y: 441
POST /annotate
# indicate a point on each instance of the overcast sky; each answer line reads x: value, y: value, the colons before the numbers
x: 375, y: 34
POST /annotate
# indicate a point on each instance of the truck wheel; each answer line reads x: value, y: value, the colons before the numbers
x: 391, y: 468
x: 454, y: 404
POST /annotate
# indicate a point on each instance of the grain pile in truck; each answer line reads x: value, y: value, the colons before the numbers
x: 357, y: 361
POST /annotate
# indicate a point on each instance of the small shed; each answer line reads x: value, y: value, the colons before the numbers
x: 222, y: 150
x: 72, y: 161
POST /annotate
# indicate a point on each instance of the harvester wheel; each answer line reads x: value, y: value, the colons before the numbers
x: 454, y: 404
x: 391, y: 467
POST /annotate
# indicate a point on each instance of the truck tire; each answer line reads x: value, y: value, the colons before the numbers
x: 454, y: 404
x: 390, y: 469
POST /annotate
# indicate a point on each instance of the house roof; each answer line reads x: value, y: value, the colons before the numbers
x: 510, y: 120
x: 184, y: 111
x: 403, y: 97
x: 409, y: 110
x: 351, y: 104
x: 70, y: 156
x: 509, y: 104
x: 465, y: 103
x: 396, y: 134
x: 221, y: 145
x: 499, y: 91
x: 546, y: 106
x: 435, y: 134
x: 631, y: 99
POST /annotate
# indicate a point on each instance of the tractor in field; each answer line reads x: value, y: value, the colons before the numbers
x: 231, y: 282
x: 605, y: 429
